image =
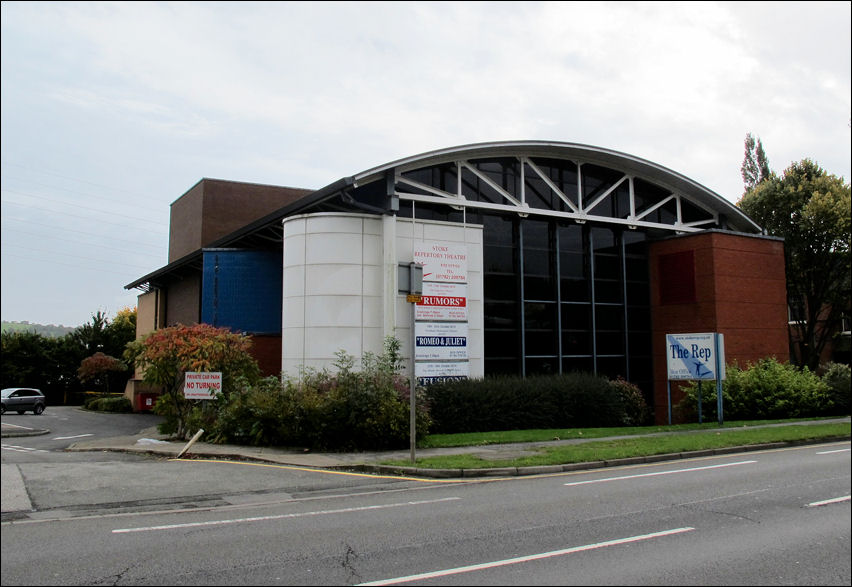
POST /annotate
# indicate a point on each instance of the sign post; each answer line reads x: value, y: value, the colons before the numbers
x: 415, y: 288
x: 696, y: 356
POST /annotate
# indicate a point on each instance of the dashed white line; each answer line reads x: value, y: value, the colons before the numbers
x: 22, y: 448
x: 815, y: 504
x: 691, y: 469
x: 829, y: 452
x: 523, y: 559
x: 69, y: 437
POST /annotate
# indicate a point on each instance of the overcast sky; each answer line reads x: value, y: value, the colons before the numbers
x: 111, y: 111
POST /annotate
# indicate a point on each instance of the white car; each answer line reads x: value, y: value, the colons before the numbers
x: 23, y: 399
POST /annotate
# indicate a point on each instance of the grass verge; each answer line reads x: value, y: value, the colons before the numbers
x: 666, y: 440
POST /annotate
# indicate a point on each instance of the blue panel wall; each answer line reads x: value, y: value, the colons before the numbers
x: 241, y: 290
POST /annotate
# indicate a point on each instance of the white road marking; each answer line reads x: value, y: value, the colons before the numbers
x: 814, y: 504
x: 828, y: 452
x: 68, y: 437
x: 691, y: 469
x: 523, y: 559
x: 280, y: 516
x: 16, y: 426
x: 22, y: 448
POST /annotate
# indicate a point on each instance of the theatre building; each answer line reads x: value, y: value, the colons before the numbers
x: 537, y: 257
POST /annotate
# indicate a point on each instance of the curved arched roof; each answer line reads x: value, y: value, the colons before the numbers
x: 630, y: 165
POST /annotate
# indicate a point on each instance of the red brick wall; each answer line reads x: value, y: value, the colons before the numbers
x: 267, y: 351
x: 740, y: 291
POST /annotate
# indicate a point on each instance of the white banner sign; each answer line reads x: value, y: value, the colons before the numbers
x: 442, y: 301
x: 440, y: 340
x: 442, y: 261
x: 202, y: 385
x: 694, y: 356
x: 436, y: 372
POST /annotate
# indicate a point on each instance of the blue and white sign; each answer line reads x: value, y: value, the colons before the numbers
x: 698, y: 356
x: 440, y: 341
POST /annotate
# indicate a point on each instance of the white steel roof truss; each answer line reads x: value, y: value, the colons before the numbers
x: 428, y: 188
x: 655, y: 206
x: 601, y: 197
x: 548, y: 181
x: 493, y: 185
x: 579, y: 218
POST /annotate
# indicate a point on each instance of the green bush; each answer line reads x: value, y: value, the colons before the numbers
x: 575, y: 400
x: 344, y: 410
x: 109, y: 404
x: 837, y: 377
x: 764, y: 390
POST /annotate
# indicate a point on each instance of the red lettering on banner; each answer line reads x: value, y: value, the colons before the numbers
x: 443, y: 301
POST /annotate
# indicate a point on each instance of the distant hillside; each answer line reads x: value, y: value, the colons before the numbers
x: 42, y: 329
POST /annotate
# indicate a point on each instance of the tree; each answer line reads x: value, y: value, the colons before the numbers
x: 811, y: 210
x: 98, y: 367
x: 167, y: 354
x: 755, y: 168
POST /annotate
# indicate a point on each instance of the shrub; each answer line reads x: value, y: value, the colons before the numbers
x: 109, y: 404
x: 764, y: 390
x: 344, y: 410
x: 837, y: 377
x: 574, y: 400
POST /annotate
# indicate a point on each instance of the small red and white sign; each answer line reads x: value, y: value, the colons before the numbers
x: 202, y: 385
x: 442, y: 301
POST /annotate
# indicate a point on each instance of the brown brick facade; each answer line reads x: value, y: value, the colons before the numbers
x: 739, y: 290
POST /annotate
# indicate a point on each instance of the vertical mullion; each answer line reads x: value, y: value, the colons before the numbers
x: 623, y: 253
x: 591, y: 242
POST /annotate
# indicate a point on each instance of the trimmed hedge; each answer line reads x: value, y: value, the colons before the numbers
x: 576, y: 400
x: 109, y: 404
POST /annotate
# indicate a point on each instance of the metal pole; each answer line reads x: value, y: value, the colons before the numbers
x: 699, y: 402
x: 412, y: 385
x: 669, y: 397
x: 718, y: 378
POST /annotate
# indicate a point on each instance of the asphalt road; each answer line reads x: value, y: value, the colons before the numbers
x: 776, y: 517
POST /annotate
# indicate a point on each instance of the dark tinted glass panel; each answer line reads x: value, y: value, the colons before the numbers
x: 498, y: 259
x: 541, y: 342
x: 575, y: 290
x: 638, y: 318
x: 577, y: 364
x: 500, y: 315
x: 576, y: 343
x: 603, y: 240
x: 612, y: 367
x: 542, y: 366
x: 573, y: 265
x: 539, y: 315
x: 609, y: 317
x: 571, y: 238
x: 501, y: 343
x: 647, y: 194
x: 608, y: 291
x: 500, y: 287
x: 576, y: 317
x: 539, y: 288
x: 596, y: 180
x: 607, y: 267
x: 638, y: 293
x: 609, y: 343
x: 614, y: 205
x: 637, y: 269
x: 691, y: 213
x: 502, y: 366
x: 498, y: 230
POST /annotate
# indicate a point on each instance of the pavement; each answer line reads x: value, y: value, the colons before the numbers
x: 150, y: 441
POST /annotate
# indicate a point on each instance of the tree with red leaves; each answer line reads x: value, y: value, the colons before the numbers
x: 165, y: 355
